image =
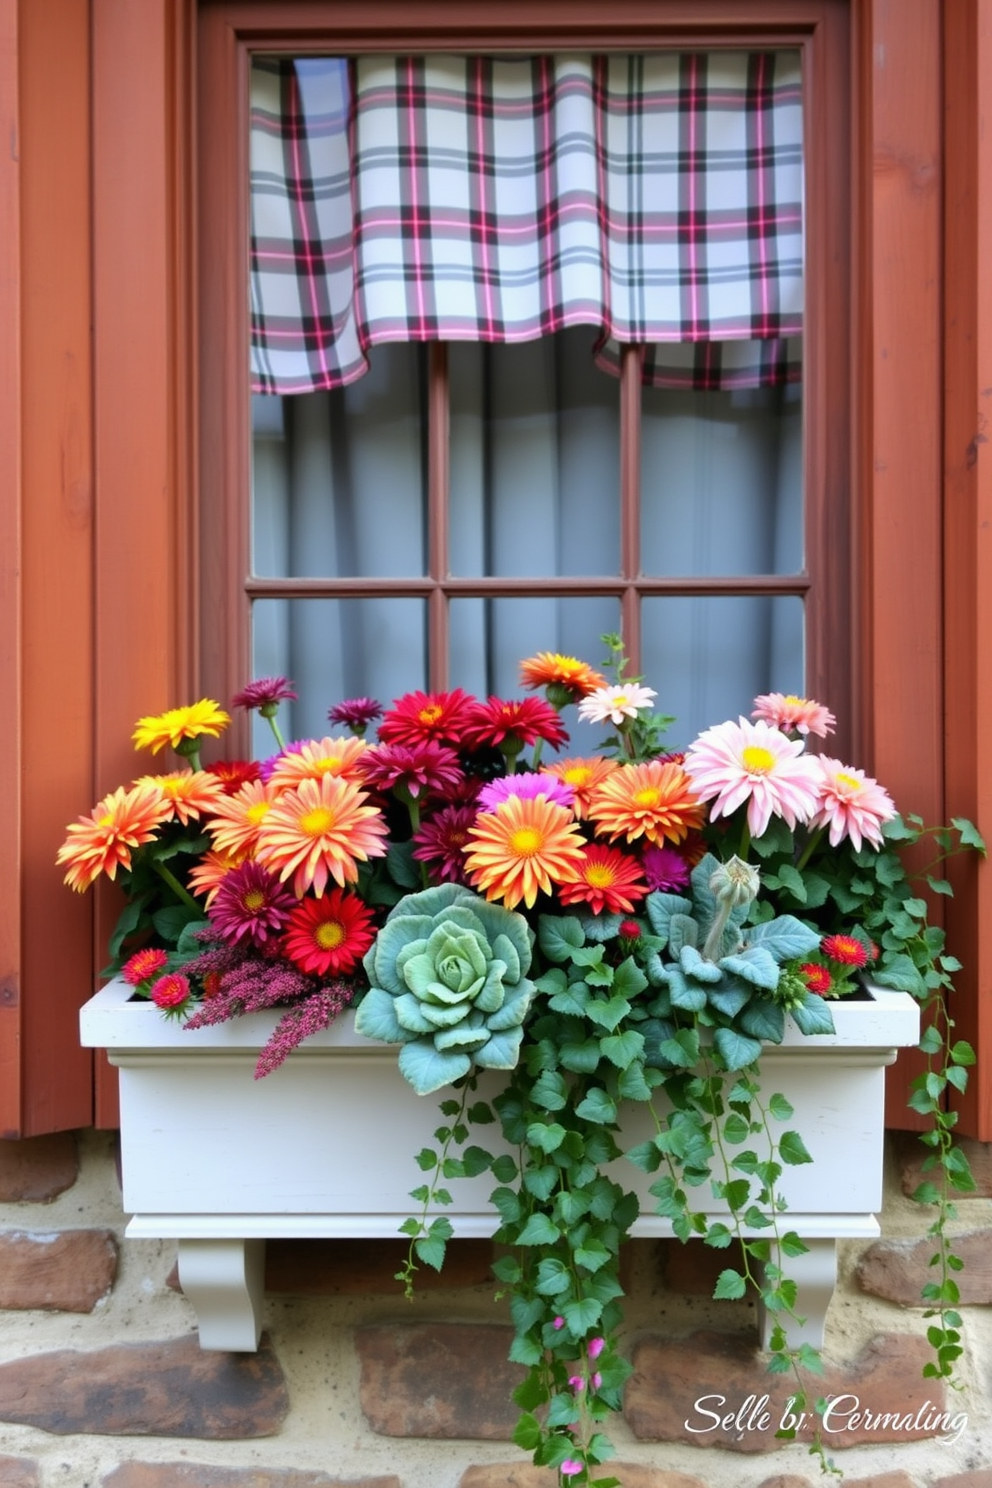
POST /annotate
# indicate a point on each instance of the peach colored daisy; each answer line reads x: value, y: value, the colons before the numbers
x: 550, y: 668
x: 523, y: 848
x: 210, y: 872
x: 177, y: 724
x: 236, y: 820
x: 318, y: 757
x: 753, y: 762
x: 191, y: 793
x: 850, y: 803
x: 654, y: 800
x: 583, y: 775
x: 615, y: 703
x: 322, y: 829
x: 608, y: 881
x: 794, y: 714
x: 102, y: 842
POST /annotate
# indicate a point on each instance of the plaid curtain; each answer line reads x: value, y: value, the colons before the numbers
x: 657, y: 198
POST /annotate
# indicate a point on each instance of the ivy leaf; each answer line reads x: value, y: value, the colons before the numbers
x: 793, y: 1150
x: 527, y: 1432
x: 581, y: 1315
x: 608, y: 1013
x: 780, y: 1108
x: 547, y: 1136
x: 583, y: 1059
x: 431, y: 1251
x: 621, y: 1049
x: 539, y: 1230
x: 730, y: 1284
x: 598, y: 1107
x: 735, y: 1049
x: 970, y: 835
x: 558, y: 936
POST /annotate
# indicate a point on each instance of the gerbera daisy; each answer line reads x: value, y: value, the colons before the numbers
x: 527, y: 784
x: 794, y: 714
x: 817, y: 978
x: 565, y: 677
x: 523, y: 848
x: 330, y: 935
x: 665, y: 868
x: 190, y: 793
x: 412, y: 769
x: 236, y: 820
x: 250, y: 904
x: 607, y: 880
x: 102, y: 842
x: 614, y: 704
x: 179, y: 725
x: 171, y: 992
x: 355, y: 714
x: 846, y: 950
x: 753, y: 762
x: 317, y: 757
x: 209, y: 873
x: 441, y: 843
x: 418, y: 717
x: 266, y: 694
x: 583, y: 775
x: 850, y: 803
x: 322, y: 829
x: 144, y: 964
x: 651, y: 800
x: 233, y: 774
x: 510, y: 724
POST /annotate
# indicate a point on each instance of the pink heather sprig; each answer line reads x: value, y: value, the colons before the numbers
x: 298, y: 1023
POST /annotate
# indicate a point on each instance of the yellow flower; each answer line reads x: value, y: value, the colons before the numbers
x: 204, y: 717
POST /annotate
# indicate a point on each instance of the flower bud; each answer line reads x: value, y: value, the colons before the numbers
x: 735, y: 883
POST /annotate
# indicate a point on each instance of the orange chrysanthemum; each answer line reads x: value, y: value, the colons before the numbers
x: 322, y: 829
x: 210, y: 872
x: 102, y: 842
x: 318, y: 757
x: 608, y: 880
x: 550, y: 668
x: 583, y: 775
x: 652, y: 800
x: 237, y: 819
x: 191, y: 793
x: 523, y: 848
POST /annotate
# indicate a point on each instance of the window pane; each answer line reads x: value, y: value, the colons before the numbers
x: 721, y: 482
x: 339, y: 478
x: 334, y: 649
x: 708, y: 657
x: 489, y: 638
x: 535, y: 458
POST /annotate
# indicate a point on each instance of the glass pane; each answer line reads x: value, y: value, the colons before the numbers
x: 490, y: 637
x: 334, y: 649
x: 708, y: 657
x: 535, y: 458
x: 339, y: 479
x: 721, y: 482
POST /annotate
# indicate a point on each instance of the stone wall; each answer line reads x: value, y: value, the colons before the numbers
x: 103, y: 1385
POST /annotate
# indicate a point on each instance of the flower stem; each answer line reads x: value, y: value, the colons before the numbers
x: 277, y: 731
x: 183, y: 895
x: 809, y: 849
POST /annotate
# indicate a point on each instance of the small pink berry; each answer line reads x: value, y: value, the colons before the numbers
x: 559, y: 1322
x: 595, y: 1347
x: 577, y: 1382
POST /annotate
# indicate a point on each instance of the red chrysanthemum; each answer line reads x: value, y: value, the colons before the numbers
x: 171, y: 992
x: 233, y: 774
x: 817, y: 978
x: 512, y: 723
x: 419, y: 717
x: 846, y: 950
x: 441, y: 843
x: 330, y: 935
x: 426, y: 768
x: 144, y: 964
x: 607, y: 880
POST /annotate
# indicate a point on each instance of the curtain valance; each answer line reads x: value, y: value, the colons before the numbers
x: 656, y: 197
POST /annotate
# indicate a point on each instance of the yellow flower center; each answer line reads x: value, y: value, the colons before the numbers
x: 329, y: 934
x: 848, y: 781
x: 525, y: 842
x: 757, y: 760
x: 254, y: 899
x: 430, y: 714
x: 793, y: 701
x: 329, y: 762
x: 106, y: 821
x: 599, y: 876
x: 315, y: 823
x: 647, y: 797
x: 620, y: 700
x: 579, y: 776
x: 258, y: 812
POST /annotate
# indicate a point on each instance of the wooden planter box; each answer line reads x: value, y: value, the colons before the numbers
x: 325, y: 1145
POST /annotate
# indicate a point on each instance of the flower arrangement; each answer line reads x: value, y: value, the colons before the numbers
x: 621, y: 923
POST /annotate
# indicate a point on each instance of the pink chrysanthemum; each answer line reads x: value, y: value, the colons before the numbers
x: 322, y: 829
x: 846, y: 950
x: 608, y: 880
x: 316, y: 757
x: 441, y: 843
x: 250, y: 905
x: 266, y: 694
x: 850, y: 803
x: 422, y: 717
x: 428, y: 768
x: 664, y: 868
x: 511, y: 724
x: 355, y: 713
x: 171, y: 992
x: 526, y: 785
x: 753, y: 762
x: 616, y: 703
x: 143, y: 964
x: 794, y: 714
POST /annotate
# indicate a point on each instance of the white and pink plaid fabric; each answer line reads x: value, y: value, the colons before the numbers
x: 658, y: 198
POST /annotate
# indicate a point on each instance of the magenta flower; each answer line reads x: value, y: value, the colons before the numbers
x: 250, y: 905
x: 171, y: 992
x: 559, y: 1322
x: 430, y: 768
x: 355, y: 713
x: 850, y: 803
x: 664, y: 868
x: 595, y: 1347
x: 570, y: 1467
x: 265, y: 694
x: 508, y: 724
x: 577, y: 1382
x: 267, y: 766
x: 753, y: 762
x: 596, y: 1380
x: 441, y: 843
x: 527, y: 785
x: 794, y: 714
